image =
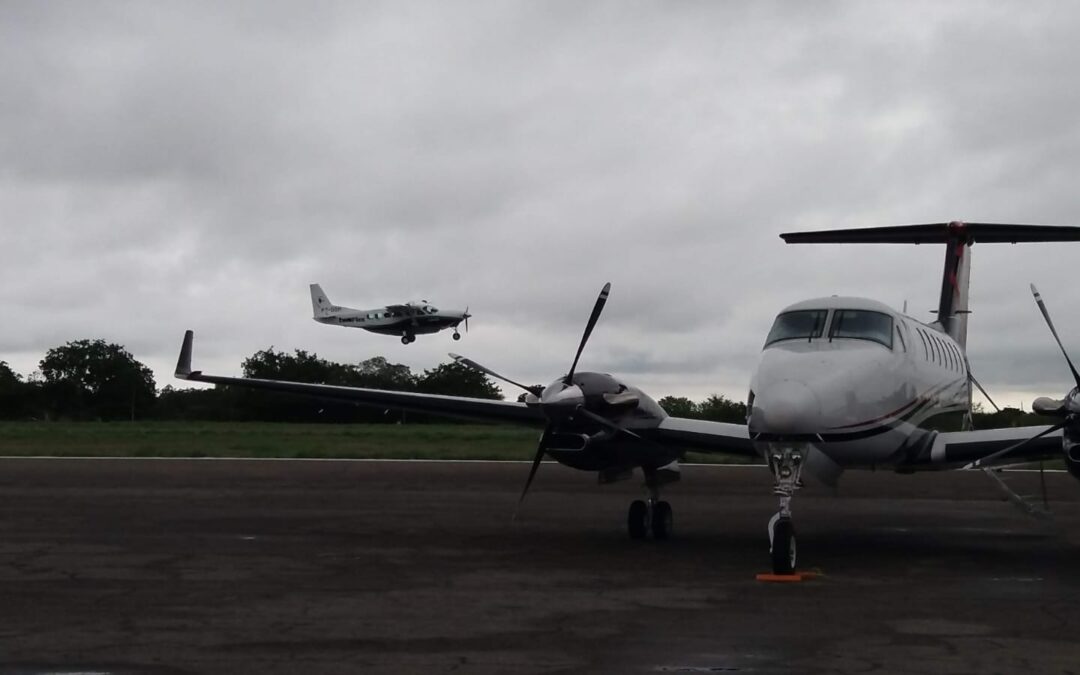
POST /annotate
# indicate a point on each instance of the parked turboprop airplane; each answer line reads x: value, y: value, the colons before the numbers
x: 408, y: 320
x: 842, y: 383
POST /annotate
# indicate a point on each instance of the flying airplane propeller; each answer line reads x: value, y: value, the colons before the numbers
x: 564, y: 399
x: 1068, y: 408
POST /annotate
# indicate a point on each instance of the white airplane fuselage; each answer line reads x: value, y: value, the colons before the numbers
x: 859, y: 397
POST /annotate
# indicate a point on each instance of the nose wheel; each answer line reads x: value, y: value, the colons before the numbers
x: 457, y: 335
x: 786, y: 465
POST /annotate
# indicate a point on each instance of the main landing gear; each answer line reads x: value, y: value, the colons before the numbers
x: 406, y: 339
x: 650, y: 515
x: 786, y: 465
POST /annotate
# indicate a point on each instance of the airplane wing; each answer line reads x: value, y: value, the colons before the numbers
x: 453, y: 406
x: 407, y: 309
x: 966, y: 447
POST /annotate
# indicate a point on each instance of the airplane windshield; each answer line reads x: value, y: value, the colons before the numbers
x: 798, y: 325
x: 862, y: 325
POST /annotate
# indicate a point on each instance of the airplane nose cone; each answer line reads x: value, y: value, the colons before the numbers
x: 786, y: 407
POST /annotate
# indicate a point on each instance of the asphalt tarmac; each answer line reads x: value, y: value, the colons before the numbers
x: 166, y: 566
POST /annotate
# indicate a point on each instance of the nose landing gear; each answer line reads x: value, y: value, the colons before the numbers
x: 786, y: 464
x: 457, y: 335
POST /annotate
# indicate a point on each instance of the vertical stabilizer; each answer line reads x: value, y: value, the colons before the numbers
x: 320, y: 304
x: 953, y: 306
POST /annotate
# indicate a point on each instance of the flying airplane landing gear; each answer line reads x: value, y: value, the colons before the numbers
x: 457, y: 335
x: 651, y: 515
x: 406, y: 339
x: 786, y: 464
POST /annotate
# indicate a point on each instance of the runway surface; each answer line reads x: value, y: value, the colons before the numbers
x: 134, y: 566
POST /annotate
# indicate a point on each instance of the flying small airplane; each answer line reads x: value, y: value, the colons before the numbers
x: 841, y: 383
x: 408, y: 320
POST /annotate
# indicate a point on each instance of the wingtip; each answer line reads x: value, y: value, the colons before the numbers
x: 183, y: 364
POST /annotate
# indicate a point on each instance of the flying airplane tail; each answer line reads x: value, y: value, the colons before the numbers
x: 958, y: 238
x: 320, y: 304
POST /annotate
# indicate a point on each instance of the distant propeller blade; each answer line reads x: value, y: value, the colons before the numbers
x: 1046, y: 315
x: 469, y: 363
x: 976, y: 383
x: 535, y: 465
x: 1012, y: 448
x: 467, y: 315
x: 593, y: 318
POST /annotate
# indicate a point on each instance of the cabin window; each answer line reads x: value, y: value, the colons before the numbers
x: 903, y: 345
x: 859, y: 324
x: 925, y: 346
x: 803, y: 324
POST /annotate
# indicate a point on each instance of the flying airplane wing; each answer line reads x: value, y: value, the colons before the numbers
x: 451, y: 406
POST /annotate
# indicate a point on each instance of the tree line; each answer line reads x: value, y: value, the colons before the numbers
x: 97, y: 380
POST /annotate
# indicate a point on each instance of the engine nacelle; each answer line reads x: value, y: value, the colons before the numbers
x: 1072, y: 458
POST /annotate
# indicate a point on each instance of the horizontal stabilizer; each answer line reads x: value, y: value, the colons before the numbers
x: 938, y: 233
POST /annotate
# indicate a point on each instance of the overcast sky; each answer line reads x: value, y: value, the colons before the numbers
x: 166, y: 166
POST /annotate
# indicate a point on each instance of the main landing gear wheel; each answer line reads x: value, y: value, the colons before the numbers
x: 406, y: 339
x: 457, y: 336
x: 637, y: 519
x: 644, y: 518
x: 782, y: 536
x: 662, y: 521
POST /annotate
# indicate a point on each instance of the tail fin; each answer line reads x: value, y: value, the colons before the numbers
x: 320, y: 304
x: 958, y: 238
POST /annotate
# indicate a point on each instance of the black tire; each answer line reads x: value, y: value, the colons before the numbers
x: 405, y: 339
x: 637, y: 520
x: 783, y: 547
x: 662, y: 521
x: 457, y: 336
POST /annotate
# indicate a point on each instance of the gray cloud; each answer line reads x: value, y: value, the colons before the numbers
x: 175, y: 165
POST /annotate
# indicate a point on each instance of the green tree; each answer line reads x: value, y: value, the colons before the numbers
x: 679, y: 406
x: 454, y: 379
x: 719, y: 408
x: 93, y: 379
x: 15, y: 395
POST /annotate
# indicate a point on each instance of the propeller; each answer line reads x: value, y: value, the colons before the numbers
x: 563, y: 400
x: 465, y: 315
x: 1046, y: 315
x: 1066, y: 408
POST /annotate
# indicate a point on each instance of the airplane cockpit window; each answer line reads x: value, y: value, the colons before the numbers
x: 859, y: 324
x: 803, y: 324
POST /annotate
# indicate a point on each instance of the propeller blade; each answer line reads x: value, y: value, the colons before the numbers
x: 1046, y: 315
x: 535, y: 465
x: 467, y: 315
x: 976, y: 383
x: 1012, y: 448
x: 593, y: 318
x: 469, y: 363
